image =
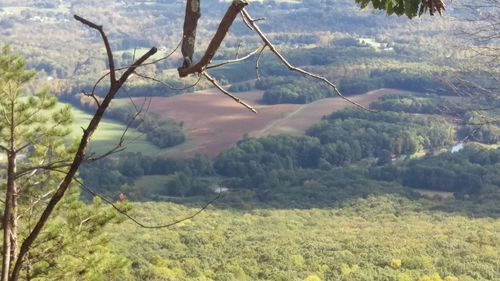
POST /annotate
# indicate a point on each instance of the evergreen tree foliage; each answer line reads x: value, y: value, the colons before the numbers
x: 35, y: 139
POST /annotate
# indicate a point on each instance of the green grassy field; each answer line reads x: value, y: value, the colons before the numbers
x: 109, y: 133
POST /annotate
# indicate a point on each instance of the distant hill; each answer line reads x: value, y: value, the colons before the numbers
x: 52, y: 41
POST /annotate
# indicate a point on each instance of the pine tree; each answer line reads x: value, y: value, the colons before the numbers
x: 35, y: 140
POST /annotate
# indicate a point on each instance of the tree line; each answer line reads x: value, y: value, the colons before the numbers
x: 161, y: 131
x: 343, y: 139
x: 414, y: 103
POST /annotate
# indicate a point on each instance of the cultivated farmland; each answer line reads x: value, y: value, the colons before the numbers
x: 214, y: 122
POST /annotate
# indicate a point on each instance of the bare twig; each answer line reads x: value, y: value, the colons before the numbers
x: 120, y: 146
x: 84, y: 221
x: 160, y: 59
x: 97, y: 83
x: 212, y: 80
x: 258, y: 61
x: 136, y: 221
x: 234, y: 61
x: 93, y: 96
x: 143, y: 76
x: 144, y: 107
x: 251, y: 22
x: 35, y: 202
x: 245, y: 20
x: 139, y: 66
x: 111, y: 61
x: 237, y: 51
x: 52, y: 165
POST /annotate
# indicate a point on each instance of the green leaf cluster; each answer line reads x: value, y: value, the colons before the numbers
x: 410, y: 8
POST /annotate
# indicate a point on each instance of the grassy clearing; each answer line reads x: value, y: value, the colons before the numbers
x: 109, y: 133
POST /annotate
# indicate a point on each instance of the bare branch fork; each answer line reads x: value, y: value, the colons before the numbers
x: 237, y: 7
x: 94, y: 88
x: 251, y: 23
x: 114, y: 85
x: 236, y: 60
x: 218, y: 86
x: 189, y: 38
x: 121, y: 144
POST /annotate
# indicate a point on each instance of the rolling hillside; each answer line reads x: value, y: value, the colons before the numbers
x: 214, y: 123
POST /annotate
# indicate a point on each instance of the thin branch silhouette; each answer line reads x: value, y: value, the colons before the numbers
x: 218, y: 86
x: 136, y: 221
x: 252, y: 25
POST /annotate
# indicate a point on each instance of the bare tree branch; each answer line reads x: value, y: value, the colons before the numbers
x: 258, y: 61
x: 251, y: 22
x: 212, y: 80
x: 143, y: 76
x: 189, y: 31
x: 111, y: 62
x: 237, y: 60
x: 226, y: 22
x: 434, y: 6
x: 126, y: 67
x: 124, y: 213
x: 53, y: 165
x: 136, y: 221
x: 93, y: 96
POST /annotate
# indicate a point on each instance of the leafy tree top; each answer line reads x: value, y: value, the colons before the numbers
x: 410, y: 8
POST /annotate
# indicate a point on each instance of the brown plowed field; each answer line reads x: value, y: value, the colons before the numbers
x: 214, y: 122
